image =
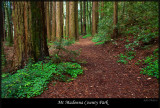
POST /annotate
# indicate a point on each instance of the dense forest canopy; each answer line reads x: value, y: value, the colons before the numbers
x: 56, y: 41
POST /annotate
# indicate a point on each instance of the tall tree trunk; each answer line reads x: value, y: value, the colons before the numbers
x: 8, y: 23
x: 38, y: 27
x: 53, y: 38
x: 81, y: 16
x: 72, y: 20
x: 19, y: 37
x: 84, y: 17
x: 10, y: 36
x: 94, y: 17
x: 30, y: 32
x: 115, y: 20
x: 50, y: 18
x: 6, y: 20
x: 90, y: 17
x: 87, y: 21
x: 59, y: 29
x: 3, y: 19
x: 47, y: 19
x: 62, y: 21
x: 76, y: 21
x: 67, y: 19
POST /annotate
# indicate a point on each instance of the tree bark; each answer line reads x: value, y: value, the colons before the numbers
x: 90, y: 15
x: 61, y: 17
x: 81, y: 17
x: 59, y: 29
x: 10, y: 36
x: 50, y: 18
x: 47, y: 19
x: 19, y: 37
x: 30, y: 32
x: 72, y: 20
x: 84, y: 17
x: 76, y: 21
x: 115, y: 20
x: 87, y: 19
x: 94, y: 17
x: 67, y: 19
x: 53, y: 38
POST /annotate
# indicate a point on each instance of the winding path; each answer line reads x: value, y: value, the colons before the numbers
x: 103, y: 77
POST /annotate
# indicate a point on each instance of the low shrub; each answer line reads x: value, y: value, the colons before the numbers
x: 33, y: 79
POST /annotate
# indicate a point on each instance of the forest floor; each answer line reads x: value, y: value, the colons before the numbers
x: 103, y: 77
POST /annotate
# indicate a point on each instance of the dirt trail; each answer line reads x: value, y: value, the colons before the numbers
x: 103, y: 77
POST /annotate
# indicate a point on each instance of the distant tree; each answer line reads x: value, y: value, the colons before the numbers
x: 76, y: 21
x: 67, y: 18
x: 115, y: 20
x: 8, y: 23
x: 90, y: 15
x: 94, y: 18
x: 81, y: 11
x: 59, y: 27
x: 84, y: 17
x: 53, y: 38
x: 47, y: 20
x: 72, y: 20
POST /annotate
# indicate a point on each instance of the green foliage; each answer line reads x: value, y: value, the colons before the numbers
x: 130, y: 53
x: 104, y: 31
x: 33, y: 79
x: 151, y: 63
x: 63, y: 43
x: 151, y: 69
x: 3, y: 58
x: 86, y: 36
x: 99, y: 43
x: 138, y: 62
x: 131, y: 46
x: 122, y: 58
x: 127, y: 56
x: 60, y: 47
x: 146, y: 36
x: 105, y: 27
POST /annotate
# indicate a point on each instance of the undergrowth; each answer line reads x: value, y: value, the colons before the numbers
x: 151, y: 65
x: 33, y: 79
x: 86, y: 36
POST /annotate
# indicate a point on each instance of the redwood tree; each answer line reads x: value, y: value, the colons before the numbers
x: 30, y: 32
x: 59, y: 24
x: 84, y: 17
x: 53, y: 21
x: 94, y: 17
x: 81, y: 16
x: 47, y: 20
x: 73, y: 20
x: 115, y: 20
x: 76, y: 21
x: 67, y: 18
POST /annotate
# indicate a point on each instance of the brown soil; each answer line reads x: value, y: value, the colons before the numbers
x: 8, y: 51
x: 103, y: 77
